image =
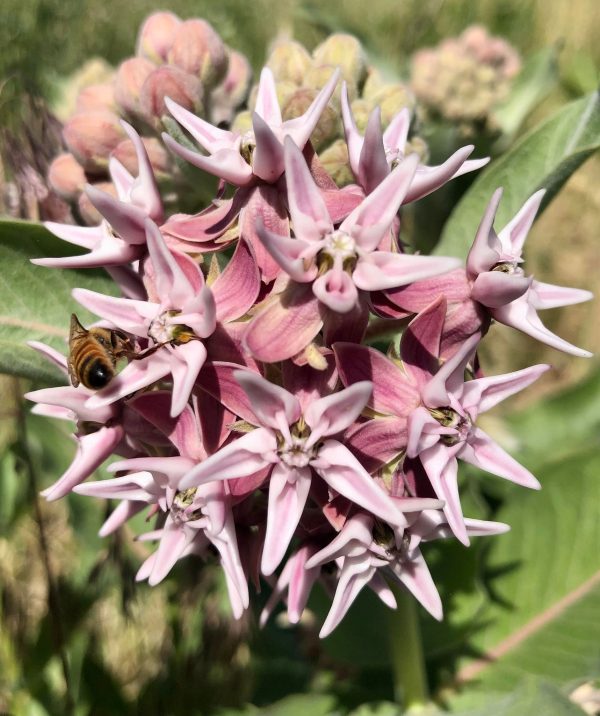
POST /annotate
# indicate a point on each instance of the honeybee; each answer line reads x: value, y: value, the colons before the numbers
x: 93, y: 354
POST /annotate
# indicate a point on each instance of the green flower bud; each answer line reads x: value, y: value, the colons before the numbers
x: 289, y: 61
x: 328, y: 125
x: 318, y: 76
x: 242, y: 122
x: 373, y: 83
x: 284, y: 89
x: 417, y: 145
x: 335, y: 160
x: 391, y: 99
x: 346, y: 52
x: 361, y: 109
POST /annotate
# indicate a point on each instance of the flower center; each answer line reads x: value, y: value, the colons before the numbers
x: 247, y: 146
x: 339, y: 250
x: 183, y: 508
x: 293, y: 451
x: 449, y: 418
x: 163, y: 330
x: 510, y: 267
x: 394, y: 157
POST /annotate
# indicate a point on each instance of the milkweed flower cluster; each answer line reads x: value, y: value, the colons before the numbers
x: 255, y: 424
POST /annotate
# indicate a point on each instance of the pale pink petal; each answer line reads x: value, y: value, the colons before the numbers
x: 139, y: 487
x: 244, y: 456
x: 272, y: 405
x: 450, y: 378
x: 172, y: 284
x: 288, y: 492
x: 373, y: 164
x: 307, y: 383
x: 267, y: 158
x: 227, y: 164
x: 486, y: 454
x: 144, y: 191
x: 354, y: 139
x: 355, y: 575
x: 236, y: 289
x: 334, y: 413
x: 495, y: 288
x: 482, y: 394
x: 383, y: 269
x: 521, y: 314
x: 486, y: 249
x: 285, y: 326
x: 381, y: 589
x: 85, y: 236
x: 175, y: 538
x: 237, y: 586
x: 441, y: 467
x: 424, y: 431
x: 186, y: 361
x: 92, y: 451
x: 301, y: 580
x: 415, y: 576
x: 210, y: 137
x: 368, y: 223
x: 54, y: 356
x: 110, y: 253
x: 166, y: 470
x: 336, y: 290
x: 267, y: 105
x: 392, y: 394
x: 396, y: 134
x: 119, y: 516
x: 342, y: 471
x: 218, y: 380
x: 126, y: 219
x: 354, y: 539
x: 289, y: 254
x: 513, y: 235
x: 546, y: 295
x: 308, y: 211
x: 129, y: 315
x: 120, y: 177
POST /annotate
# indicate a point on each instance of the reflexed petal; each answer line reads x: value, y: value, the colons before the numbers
x: 217, y: 379
x: 383, y: 269
x: 85, y: 236
x: 139, y: 487
x: 377, y: 441
x: 210, y: 137
x: 175, y: 538
x: 171, y: 282
x: 342, y: 471
x: 392, y: 394
x: 513, y: 235
x: 483, y: 452
x: 289, y: 254
x: 288, y: 492
x: 420, y: 344
x: 354, y: 139
x: 186, y: 362
x: 119, y: 516
x: 396, y: 134
x: 354, y: 539
x: 267, y: 105
x: 373, y: 164
x: 482, y: 394
x: 144, y: 191
x: 424, y: 431
x: 127, y: 220
x: 301, y: 581
x: 244, y: 456
x: 450, y: 379
x: 356, y: 574
x: 415, y: 576
x: 546, y: 295
x: 267, y: 158
x: 129, y: 315
x: 236, y: 289
x: 486, y: 249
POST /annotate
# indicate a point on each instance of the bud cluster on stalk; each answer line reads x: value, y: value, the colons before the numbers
x: 255, y: 424
x: 464, y: 78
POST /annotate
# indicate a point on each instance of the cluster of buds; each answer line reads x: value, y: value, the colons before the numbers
x: 300, y: 75
x: 184, y: 60
x: 464, y: 78
x: 254, y: 423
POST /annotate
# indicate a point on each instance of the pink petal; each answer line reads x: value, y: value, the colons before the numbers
x: 288, y: 492
x: 186, y: 362
x: 353, y: 540
x: 392, y: 392
x: 308, y: 384
x: 450, y: 378
x: 368, y: 223
x: 273, y: 406
x: 486, y: 249
x: 264, y: 208
x: 420, y: 344
x: 301, y: 582
x: 166, y: 470
x: 110, y: 253
x: 175, y: 538
x: 342, y: 471
x: 546, y: 295
x: 139, y: 487
x: 378, y: 441
x: 244, y: 456
x: 172, y: 284
x: 218, y: 380
x: 210, y: 137
x: 119, y: 516
x: 54, y: 356
x: 236, y: 289
x: 129, y: 315
x: 423, y: 431
x: 495, y: 288
x: 289, y: 254
x: 484, y: 453
x: 428, y: 179
x: 308, y: 212
x: 396, y: 134
x: 383, y: 269
x: 482, y: 394
x: 513, y: 235
x: 285, y: 326
x: 373, y: 164
x: 226, y: 544
x: 350, y: 326
x: 415, y: 576
x: 126, y: 219
x: 355, y: 575
x: 354, y: 139
x: 85, y: 236
x: 144, y: 191
x: 267, y: 105
x: 267, y: 158
x: 334, y: 413
x: 92, y: 451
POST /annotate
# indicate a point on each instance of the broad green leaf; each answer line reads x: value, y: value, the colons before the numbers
x: 36, y: 302
x: 534, y: 82
x: 545, y: 157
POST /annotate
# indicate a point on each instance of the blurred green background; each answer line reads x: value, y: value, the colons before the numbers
x: 79, y: 636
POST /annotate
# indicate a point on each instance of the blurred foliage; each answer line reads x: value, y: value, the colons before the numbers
x: 79, y: 636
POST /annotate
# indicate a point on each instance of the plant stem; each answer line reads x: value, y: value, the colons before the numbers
x: 408, y: 663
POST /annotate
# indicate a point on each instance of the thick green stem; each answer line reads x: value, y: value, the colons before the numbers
x: 408, y: 663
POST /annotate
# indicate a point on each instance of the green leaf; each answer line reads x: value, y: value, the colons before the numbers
x: 545, y: 157
x: 534, y: 82
x: 36, y: 302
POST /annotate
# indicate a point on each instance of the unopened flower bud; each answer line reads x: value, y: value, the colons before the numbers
x: 126, y: 154
x: 318, y: 76
x: 173, y: 82
x: 361, y: 111
x: 66, y: 176
x: 373, y: 83
x: 198, y: 50
x: 242, y: 122
x: 417, y: 145
x: 90, y: 215
x: 346, y: 52
x: 233, y: 90
x: 392, y: 99
x: 129, y: 81
x: 328, y: 124
x: 290, y: 61
x: 156, y: 36
x: 98, y: 96
x: 335, y: 160
x: 91, y: 137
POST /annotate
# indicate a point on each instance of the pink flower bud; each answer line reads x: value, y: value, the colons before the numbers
x: 99, y: 96
x: 91, y: 137
x: 173, y: 82
x: 199, y: 50
x: 66, y: 176
x: 130, y: 78
x: 233, y: 90
x: 90, y: 215
x: 126, y: 154
x: 156, y: 36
